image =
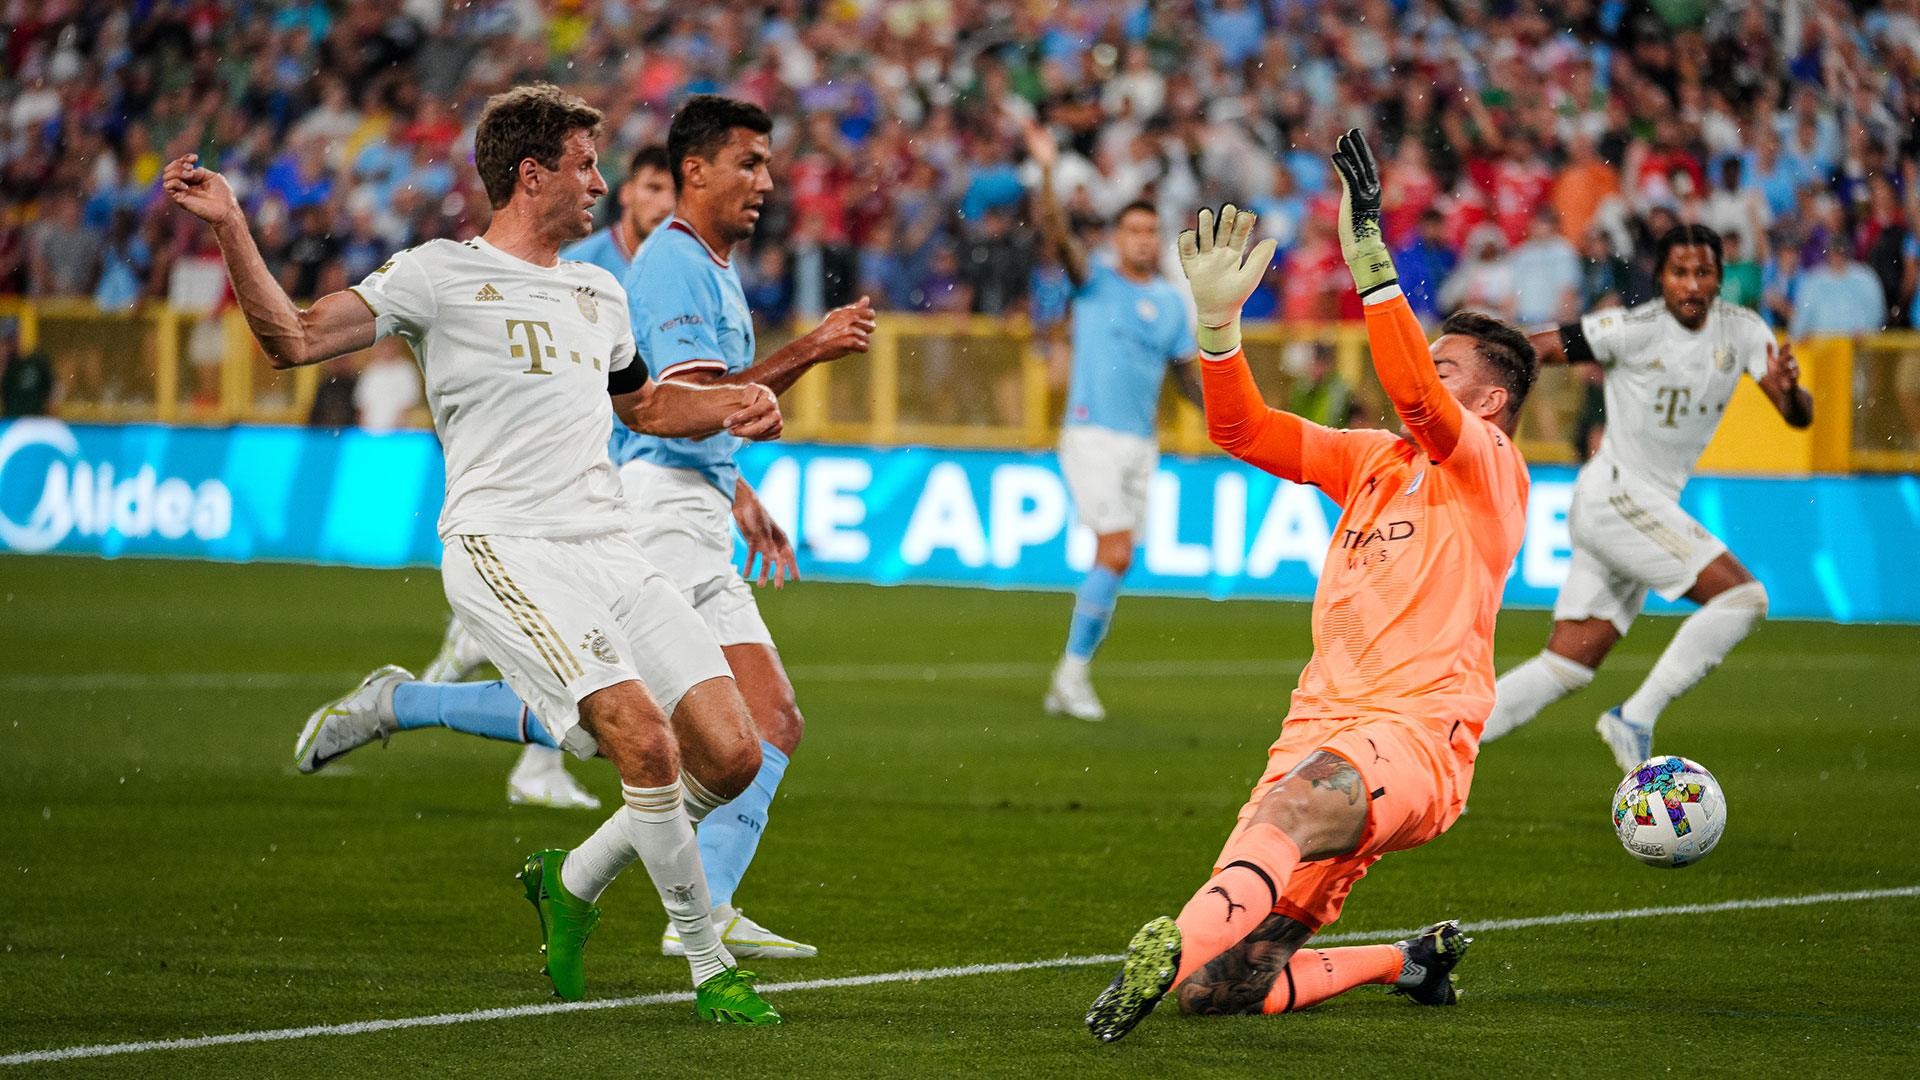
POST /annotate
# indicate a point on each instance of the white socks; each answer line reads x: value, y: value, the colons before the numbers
x: 656, y: 825
x: 1523, y: 692
x: 592, y: 866
x: 653, y: 827
x: 699, y: 800
x: 1696, y: 649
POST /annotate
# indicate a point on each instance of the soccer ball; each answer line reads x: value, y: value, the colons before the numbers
x: 1669, y: 812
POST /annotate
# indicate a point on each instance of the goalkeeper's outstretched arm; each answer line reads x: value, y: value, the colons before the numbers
x: 1399, y: 344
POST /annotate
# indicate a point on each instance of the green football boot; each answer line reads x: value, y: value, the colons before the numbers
x: 566, y: 921
x: 1153, y: 959
x: 727, y: 999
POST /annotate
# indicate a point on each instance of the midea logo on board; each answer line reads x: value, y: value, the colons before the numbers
x: 84, y: 497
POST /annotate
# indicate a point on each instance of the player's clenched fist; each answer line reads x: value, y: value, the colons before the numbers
x: 758, y: 419
x: 844, y: 331
x: 202, y: 192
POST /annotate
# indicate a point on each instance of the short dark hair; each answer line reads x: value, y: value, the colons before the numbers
x: 1503, y: 347
x: 651, y: 156
x: 1141, y: 205
x: 530, y: 121
x: 1687, y: 236
x: 703, y: 125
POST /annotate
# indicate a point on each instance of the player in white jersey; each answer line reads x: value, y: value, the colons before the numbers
x: 540, y: 777
x: 520, y: 354
x: 1671, y: 367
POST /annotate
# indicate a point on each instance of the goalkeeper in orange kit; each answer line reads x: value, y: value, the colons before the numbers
x: 1378, y: 747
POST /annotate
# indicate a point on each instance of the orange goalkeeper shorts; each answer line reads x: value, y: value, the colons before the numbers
x: 1416, y: 781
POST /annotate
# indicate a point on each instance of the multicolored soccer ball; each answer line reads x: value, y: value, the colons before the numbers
x: 1669, y: 812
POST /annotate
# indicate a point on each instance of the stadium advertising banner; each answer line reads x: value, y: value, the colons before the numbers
x: 1826, y: 547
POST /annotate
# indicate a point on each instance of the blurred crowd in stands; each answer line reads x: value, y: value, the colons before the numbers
x: 1532, y: 150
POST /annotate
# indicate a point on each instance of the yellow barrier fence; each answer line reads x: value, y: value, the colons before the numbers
x: 978, y: 381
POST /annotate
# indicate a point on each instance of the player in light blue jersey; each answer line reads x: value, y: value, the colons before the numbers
x: 1129, y: 326
x: 694, y: 326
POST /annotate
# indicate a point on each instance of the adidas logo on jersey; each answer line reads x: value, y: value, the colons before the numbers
x: 488, y: 292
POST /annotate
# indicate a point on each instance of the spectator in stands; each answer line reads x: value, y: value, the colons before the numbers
x: 1840, y: 297
x: 1321, y: 394
x: 1740, y: 281
x: 26, y: 379
x: 388, y: 389
x: 1424, y: 264
x: 64, y: 256
x: 997, y: 265
x: 1484, y: 281
x: 1546, y: 275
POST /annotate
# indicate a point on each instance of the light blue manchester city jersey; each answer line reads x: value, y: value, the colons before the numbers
x: 602, y: 249
x: 689, y: 314
x: 1124, y: 336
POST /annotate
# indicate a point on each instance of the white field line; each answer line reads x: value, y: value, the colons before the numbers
x: 364, y: 1027
x: 91, y: 682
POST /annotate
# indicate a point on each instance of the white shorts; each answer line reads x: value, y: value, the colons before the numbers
x: 1628, y: 538
x: 562, y: 618
x: 1109, y: 473
x: 685, y: 525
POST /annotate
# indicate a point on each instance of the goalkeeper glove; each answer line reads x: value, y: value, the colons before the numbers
x: 1223, y: 274
x: 1360, y: 238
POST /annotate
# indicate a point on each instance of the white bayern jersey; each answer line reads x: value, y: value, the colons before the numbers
x: 515, y: 358
x: 1667, y: 387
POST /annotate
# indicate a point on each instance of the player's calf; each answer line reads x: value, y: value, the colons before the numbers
x: 1239, y: 980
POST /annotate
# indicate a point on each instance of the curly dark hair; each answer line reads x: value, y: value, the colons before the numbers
x: 1504, y: 347
x: 532, y: 121
x: 1687, y: 236
x: 703, y: 125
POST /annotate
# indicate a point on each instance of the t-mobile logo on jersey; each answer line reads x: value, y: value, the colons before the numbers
x: 1673, y: 401
x: 536, y: 350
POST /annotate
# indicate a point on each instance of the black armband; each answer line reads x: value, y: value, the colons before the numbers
x: 627, y: 379
x: 1573, y: 342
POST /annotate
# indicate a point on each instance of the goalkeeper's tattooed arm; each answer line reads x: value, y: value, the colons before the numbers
x: 1053, y: 217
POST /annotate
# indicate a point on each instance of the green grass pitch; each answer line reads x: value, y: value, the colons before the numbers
x: 167, y: 874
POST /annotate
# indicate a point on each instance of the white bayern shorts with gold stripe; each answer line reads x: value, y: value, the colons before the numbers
x: 564, y: 617
x: 1629, y: 537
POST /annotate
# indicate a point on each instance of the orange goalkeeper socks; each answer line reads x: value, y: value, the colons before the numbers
x: 1314, y: 975
x: 1238, y: 898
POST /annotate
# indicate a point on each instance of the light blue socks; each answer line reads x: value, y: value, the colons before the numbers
x: 489, y: 709
x: 730, y: 835
x: 1092, y: 612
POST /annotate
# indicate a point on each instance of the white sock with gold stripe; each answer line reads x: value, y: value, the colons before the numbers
x: 700, y: 801
x: 657, y: 827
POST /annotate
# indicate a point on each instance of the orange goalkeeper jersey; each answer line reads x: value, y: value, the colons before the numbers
x: 1404, y: 612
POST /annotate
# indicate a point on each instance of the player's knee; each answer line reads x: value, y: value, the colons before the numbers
x: 1749, y: 597
x: 785, y: 726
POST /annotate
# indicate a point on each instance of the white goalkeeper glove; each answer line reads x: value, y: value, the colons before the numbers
x: 1223, y: 274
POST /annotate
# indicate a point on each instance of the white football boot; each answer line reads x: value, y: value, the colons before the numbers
x: 350, y: 722
x: 1071, y: 692
x: 743, y: 938
x: 1631, y: 743
x: 459, y: 658
x: 541, y: 778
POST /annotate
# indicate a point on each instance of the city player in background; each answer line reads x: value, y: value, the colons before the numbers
x: 1378, y: 747
x: 520, y: 352
x: 1671, y: 366
x: 1129, y: 325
